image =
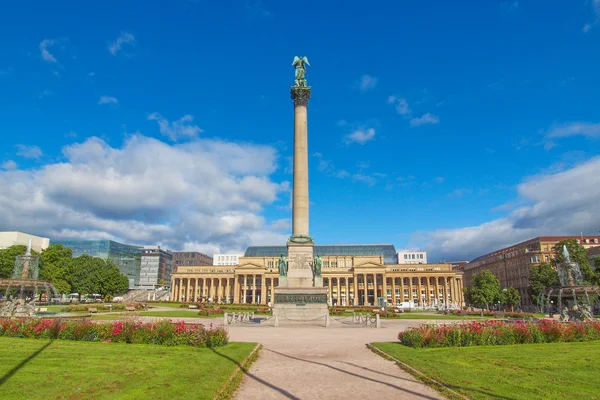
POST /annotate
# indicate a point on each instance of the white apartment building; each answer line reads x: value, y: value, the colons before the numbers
x: 412, y: 257
x: 226, y: 259
x: 8, y: 239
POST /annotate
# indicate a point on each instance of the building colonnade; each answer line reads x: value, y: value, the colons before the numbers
x: 358, y: 289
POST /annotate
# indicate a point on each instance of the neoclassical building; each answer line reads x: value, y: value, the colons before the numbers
x: 355, y: 275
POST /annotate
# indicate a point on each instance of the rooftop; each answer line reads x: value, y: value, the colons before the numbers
x: 388, y: 251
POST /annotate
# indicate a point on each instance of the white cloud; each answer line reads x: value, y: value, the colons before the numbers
x: 364, y: 178
x: 8, y: 164
x: 586, y: 28
x: 426, y: 118
x: 108, y: 100
x: 46, y: 55
x: 91, y: 74
x: 587, y: 129
x: 367, y: 82
x: 360, y: 136
x: 177, y: 129
x: 125, y: 39
x: 438, y: 179
x: 205, y: 193
x: 459, y: 193
x: 560, y: 203
x: 401, y: 105
x: 29, y: 151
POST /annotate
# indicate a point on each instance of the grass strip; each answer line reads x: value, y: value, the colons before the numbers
x: 526, y: 371
x: 46, y: 369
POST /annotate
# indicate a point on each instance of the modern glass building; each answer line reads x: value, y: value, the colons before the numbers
x: 387, y: 250
x: 125, y: 256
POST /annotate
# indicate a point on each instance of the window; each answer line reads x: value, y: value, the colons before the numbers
x: 535, y: 259
x: 405, y: 256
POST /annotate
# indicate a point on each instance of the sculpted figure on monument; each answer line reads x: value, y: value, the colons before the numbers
x: 300, y: 64
x: 317, y: 264
x: 282, y: 265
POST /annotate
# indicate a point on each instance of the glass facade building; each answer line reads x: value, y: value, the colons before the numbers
x: 126, y: 257
x: 387, y: 250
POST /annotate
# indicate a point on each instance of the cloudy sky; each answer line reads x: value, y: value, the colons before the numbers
x: 454, y: 127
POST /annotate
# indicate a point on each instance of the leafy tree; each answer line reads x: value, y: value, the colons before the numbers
x: 597, y: 270
x: 578, y: 253
x: 7, y: 259
x: 484, y: 290
x: 91, y: 275
x: 55, y: 266
x: 541, y: 276
x: 509, y: 297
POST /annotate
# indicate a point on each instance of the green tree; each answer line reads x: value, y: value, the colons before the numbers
x: 112, y: 281
x: 55, y: 266
x: 484, y: 290
x: 578, y: 254
x: 91, y: 275
x: 597, y: 270
x: 509, y: 297
x: 541, y: 277
x: 7, y: 259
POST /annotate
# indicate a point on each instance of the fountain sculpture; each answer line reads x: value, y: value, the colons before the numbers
x: 25, y: 281
x: 571, y: 288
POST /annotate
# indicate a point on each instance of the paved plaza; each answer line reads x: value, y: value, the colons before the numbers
x: 310, y: 362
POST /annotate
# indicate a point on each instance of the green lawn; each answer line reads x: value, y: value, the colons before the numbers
x: 165, y: 304
x: 525, y: 371
x: 60, y: 369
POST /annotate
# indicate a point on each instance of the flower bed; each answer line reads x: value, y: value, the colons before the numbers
x: 490, y: 333
x: 163, y: 332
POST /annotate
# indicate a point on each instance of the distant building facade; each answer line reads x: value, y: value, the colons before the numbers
x: 227, y: 259
x: 412, y: 257
x: 190, y: 258
x: 156, y: 267
x: 354, y: 274
x: 8, y: 239
x: 512, y: 265
x: 126, y: 257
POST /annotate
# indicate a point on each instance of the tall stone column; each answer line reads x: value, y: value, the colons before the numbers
x: 300, y: 95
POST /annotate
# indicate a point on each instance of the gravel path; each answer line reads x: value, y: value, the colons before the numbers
x: 307, y: 362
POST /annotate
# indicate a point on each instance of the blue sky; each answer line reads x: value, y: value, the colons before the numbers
x: 454, y: 127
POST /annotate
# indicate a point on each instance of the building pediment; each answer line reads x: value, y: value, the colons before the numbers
x: 250, y: 267
x: 369, y: 264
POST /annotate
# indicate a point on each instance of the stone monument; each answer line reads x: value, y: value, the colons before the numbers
x: 300, y: 296
x: 26, y: 284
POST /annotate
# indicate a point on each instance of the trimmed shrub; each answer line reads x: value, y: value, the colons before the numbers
x: 491, y: 333
x: 162, y: 333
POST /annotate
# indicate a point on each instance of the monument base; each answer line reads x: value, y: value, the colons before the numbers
x: 301, y: 306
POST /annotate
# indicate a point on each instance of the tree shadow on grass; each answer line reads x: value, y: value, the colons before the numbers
x: 13, y: 371
x: 283, y: 392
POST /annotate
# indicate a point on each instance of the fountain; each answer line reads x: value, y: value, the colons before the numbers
x: 28, y: 287
x: 571, y: 287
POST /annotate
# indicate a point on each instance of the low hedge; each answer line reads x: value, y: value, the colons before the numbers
x: 161, y: 333
x: 491, y: 333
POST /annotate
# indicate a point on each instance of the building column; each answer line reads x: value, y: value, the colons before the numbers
x: 437, y: 291
x: 384, y: 286
x: 355, y: 288
x: 244, y: 289
x: 366, y: 292
x: 236, y: 289
x: 347, y: 292
x: 401, y: 289
x: 339, y: 292
x: 253, y: 289
x: 263, y: 289
x: 410, y: 291
x: 330, y: 290
x: 393, y: 290
x: 428, y: 293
